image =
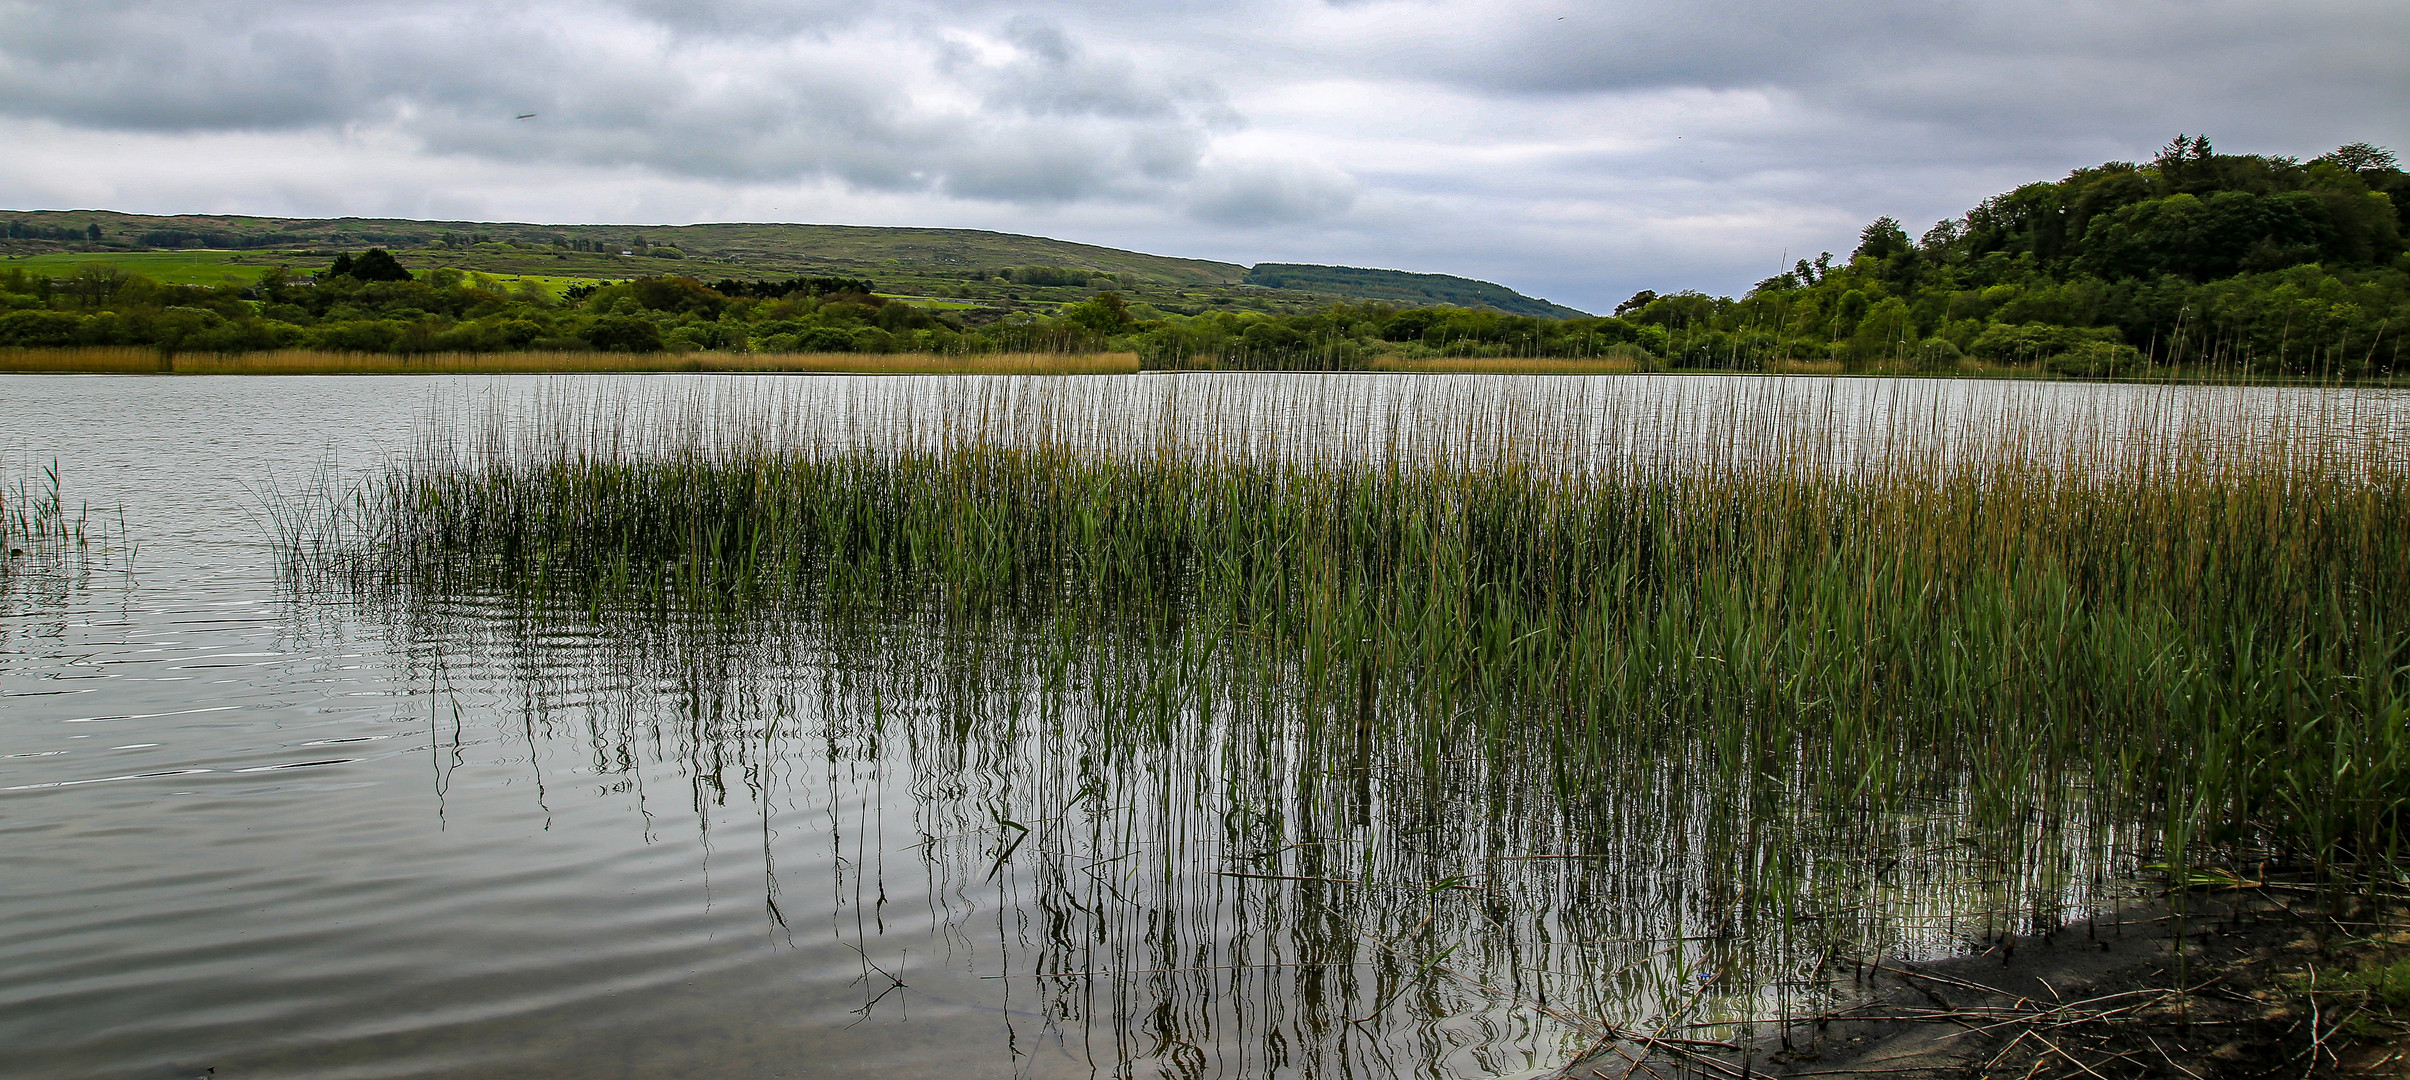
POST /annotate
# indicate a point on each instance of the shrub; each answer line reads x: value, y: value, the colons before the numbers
x: 2007, y: 343
x: 623, y: 333
x: 40, y: 328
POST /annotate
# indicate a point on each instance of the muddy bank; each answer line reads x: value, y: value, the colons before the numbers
x: 2219, y: 990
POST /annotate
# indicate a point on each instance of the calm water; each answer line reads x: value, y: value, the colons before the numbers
x: 275, y: 834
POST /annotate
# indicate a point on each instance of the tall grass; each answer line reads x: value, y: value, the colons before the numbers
x: 129, y: 361
x: 2202, y: 623
x: 35, y: 519
x: 46, y: 542
x: 1778, y: 674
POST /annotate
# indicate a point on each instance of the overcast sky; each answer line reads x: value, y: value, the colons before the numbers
x: 1577, y: 151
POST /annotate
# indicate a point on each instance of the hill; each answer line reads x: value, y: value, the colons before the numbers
x: 964, y: 264
x: 1406, y: 289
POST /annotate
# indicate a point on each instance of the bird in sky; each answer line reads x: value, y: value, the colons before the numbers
x: 524, y: 116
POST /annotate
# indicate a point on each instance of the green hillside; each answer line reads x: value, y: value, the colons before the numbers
x: 975, y: 266
x: 1409, y: 290
x: 791, y: 248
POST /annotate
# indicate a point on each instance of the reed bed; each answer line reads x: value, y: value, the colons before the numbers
x: 1687, y: 680
x: 2205, y: 624
x: 137, y: 361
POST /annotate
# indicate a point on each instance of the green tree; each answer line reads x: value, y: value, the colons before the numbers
x: 2363, y: 157
x: 377, y: 264
x: 1882, y: 239
x: 96, y: 284
x: 40, y: 328
x: 1886, y: 334
x: 623, y: 333
x: 1104, y: 313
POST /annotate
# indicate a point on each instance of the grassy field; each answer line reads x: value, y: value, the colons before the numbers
x: 212, y: 268
x: 218, y: 268
x: 555, y: 284
x: 130, y: 361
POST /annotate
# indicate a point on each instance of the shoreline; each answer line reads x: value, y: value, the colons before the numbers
x: 2102, y: 997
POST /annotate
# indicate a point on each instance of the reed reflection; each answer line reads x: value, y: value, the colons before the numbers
x: 1176, y: 855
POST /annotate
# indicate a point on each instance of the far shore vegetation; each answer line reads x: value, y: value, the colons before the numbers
x: 2195, y: 264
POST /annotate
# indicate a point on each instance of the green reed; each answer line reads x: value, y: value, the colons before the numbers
x: 37, y: 526
x: 2191, y: 628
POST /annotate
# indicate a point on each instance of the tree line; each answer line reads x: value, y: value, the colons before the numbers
x: 23, y: 230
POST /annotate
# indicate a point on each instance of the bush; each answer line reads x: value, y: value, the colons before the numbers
x: 360, y: 335
x: 1938, y: 354
x: 1043, y: 276
x: 1271, y: 337
x: 2018, y: 343
x: 678, y: 294
x: 820, y: 339
x: 40, y: 328
x: 707, y: 335
x: 2096, y: 360
x: 1104, y: 313
x: 1626, y: 351
x: 375, y: 264
x: 623, y: 333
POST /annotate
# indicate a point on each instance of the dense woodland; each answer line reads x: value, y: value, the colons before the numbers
x: 2240, y: 263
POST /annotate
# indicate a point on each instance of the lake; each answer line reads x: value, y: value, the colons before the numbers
x: 267, y: 828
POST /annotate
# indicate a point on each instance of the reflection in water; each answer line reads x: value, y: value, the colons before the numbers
x: 1169, y: 856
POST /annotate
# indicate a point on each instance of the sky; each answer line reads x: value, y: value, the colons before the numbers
x: 1574, y: 151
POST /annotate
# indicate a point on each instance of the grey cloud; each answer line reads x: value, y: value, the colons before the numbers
x: 138, y: 70
x: 1269, y: 194
x: 672, y: 87
x: 1738, y: 43
x: 1037, y: 169
x: 1054, y: 76
x: 747, y: 18
x: 2037, y: 71
x: 1040, y: 39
